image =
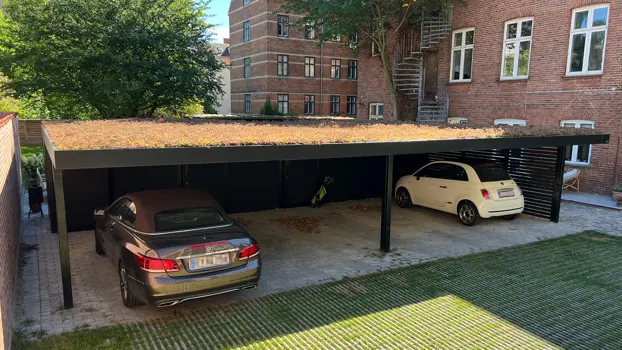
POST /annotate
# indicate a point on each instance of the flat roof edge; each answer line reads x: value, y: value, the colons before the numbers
x: 116, y: 158
x: 49, y: 146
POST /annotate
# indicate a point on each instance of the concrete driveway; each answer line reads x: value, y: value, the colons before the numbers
x: 300, y: 247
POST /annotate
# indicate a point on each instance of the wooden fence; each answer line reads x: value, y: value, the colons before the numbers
x: 30, y: 132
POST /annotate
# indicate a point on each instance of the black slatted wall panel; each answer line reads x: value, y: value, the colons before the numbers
x: 534, y: 169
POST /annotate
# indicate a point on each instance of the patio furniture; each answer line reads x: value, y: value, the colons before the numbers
x: 571, y: 179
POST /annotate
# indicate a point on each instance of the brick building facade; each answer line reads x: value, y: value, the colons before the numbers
x: 546, y: 79
x: 271, y: 58
x: 558, y: 82
x: 10, y: 216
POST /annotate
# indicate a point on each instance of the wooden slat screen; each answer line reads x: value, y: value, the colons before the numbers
x: 534, y: 170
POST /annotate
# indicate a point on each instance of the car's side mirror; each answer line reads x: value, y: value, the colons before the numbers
x: 99, y: 212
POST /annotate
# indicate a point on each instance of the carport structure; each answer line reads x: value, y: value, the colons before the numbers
x: 81, y: 179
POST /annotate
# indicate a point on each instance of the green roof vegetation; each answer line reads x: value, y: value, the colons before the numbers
x: 120, y: 134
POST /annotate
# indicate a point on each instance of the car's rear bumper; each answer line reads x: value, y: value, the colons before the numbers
x: 160, y: 290
x: 496, y: 208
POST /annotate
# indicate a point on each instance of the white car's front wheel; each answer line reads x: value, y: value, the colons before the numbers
x: 403, y: 198
x: 468, y: 214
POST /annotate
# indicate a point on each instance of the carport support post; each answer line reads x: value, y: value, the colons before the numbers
x: 387, y: 200
x: 559, y: 183
x: 63, y: 240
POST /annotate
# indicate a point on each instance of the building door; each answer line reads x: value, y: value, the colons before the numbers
x: 430, y: 86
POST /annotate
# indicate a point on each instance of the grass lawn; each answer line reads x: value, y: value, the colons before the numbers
x: 564, y: 292
x: 29, y: 151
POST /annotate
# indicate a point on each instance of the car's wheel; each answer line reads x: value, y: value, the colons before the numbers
x: 129, y: 300
x: 98, y: 246
x: 403, y: 198
x: 468, y: 214
x: 510, y: 217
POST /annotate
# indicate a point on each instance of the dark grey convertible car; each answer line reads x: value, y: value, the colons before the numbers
x: 170, y: 246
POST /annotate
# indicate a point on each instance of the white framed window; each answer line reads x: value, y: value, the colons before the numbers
x: 374, y: 50
x: 588, y: 38
x: 310, y: 30
x: 462, y: 54
x: 516, y: 48
x: 519, y: 122
x: 578, y: 154
x: 247, y: 2
x: 310, y: 67
x: 457, y: 120
x: 376, y: 111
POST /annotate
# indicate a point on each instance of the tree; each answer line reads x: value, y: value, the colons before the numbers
x: 121, y: 58
x: 378, y: 21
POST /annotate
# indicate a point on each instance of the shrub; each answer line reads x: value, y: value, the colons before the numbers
x: 269, y: 108
x: 617, y: 187
x: 30, y: 166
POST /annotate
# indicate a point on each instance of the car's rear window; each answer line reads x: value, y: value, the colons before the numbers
x: 186, y: 219
x: 491, y: 172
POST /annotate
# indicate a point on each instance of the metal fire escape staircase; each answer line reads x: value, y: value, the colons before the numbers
x: 408, y: 67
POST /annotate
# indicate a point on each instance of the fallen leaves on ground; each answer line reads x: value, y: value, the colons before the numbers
x: 375, y: 208
x: 304, y: 224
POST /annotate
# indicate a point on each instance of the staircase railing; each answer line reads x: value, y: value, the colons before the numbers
x: 407, y: 46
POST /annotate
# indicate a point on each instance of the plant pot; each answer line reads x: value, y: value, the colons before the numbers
x: 616, y: 196
x: 35, y: 198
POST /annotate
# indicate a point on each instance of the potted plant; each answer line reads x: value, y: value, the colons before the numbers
x: 33, y: 167
x: 617, y: 192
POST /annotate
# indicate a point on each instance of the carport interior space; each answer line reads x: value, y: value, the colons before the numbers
x: 249, y: 178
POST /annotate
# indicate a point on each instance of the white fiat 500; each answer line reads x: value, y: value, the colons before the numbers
x: 471, y: 191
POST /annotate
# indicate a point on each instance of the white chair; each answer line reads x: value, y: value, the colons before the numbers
x: 571, y: 179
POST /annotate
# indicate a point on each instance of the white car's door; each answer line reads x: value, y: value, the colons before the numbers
x: 457, y: 186
x: 430, y: 186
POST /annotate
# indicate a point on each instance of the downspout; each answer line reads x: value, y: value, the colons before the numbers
x: 615, y: 162
x: 321, y: 75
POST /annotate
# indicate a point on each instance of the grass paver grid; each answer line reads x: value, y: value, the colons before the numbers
x: 564, y: 292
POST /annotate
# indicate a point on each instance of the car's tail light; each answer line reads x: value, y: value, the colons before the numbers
x: 486, y: 194
x: 156, y: 265
x: 249, y: 252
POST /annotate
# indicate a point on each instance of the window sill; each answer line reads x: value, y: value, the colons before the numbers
x: 459, y: 82
x: 583, y: 75
x: 578, y: 165
x: 505, y: 80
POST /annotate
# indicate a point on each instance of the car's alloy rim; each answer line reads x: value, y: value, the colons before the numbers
x: 402, y: 198
x: 123, y: 283
x: 467, y: 214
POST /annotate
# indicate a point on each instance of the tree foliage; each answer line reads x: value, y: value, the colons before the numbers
x: 120, y: 58
x: 373, y: 21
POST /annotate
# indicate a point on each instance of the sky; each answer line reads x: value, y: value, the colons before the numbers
x: 220, y: 18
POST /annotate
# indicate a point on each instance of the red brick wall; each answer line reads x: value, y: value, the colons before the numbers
x: 263, y: 50
x: 547, y: 97
x: 10, y: 216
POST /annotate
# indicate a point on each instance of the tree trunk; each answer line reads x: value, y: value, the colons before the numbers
x: 388, y: 71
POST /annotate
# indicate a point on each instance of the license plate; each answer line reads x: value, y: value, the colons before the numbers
x: 208, y: 261
x: 505, y: 194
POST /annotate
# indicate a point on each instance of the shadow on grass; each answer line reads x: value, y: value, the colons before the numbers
x: 562, y: 292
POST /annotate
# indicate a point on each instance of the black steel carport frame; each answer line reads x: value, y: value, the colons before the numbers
x: 61, y: 160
